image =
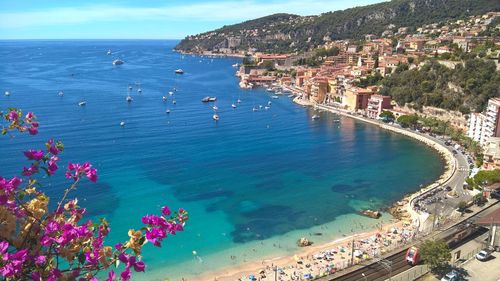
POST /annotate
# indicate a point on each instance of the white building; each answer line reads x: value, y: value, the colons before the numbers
x: 476, y: 127
x: 482, y: 126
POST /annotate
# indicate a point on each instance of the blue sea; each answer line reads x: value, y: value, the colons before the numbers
x: 253, y: 183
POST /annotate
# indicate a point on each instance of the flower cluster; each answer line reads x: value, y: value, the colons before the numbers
x: 42, y: 244
x: 16, y: 122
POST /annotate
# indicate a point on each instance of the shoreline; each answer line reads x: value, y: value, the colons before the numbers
x: 407, y: 219
x: 209, y: 54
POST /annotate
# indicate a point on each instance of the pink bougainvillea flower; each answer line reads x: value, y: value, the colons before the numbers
x: 36, y: 155
x: 33, y: 130
x: 40, y: 260
x: 13, y: 115
x: 125, y: 274
x: 165, y: 211
x: 111, y: 276
x: 30, y: 171
x: 139, y: 266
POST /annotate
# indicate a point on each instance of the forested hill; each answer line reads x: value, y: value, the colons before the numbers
x: 287, y: 33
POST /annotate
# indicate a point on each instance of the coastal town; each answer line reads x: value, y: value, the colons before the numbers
x: 342, y: 76
x: 354, y: 141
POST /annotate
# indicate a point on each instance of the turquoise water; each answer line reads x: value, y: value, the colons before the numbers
x: 253, y: 183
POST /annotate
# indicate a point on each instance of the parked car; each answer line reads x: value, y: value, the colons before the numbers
x: 483, y: 255
x: 451, y: 276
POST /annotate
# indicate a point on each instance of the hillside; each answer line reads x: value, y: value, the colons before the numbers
x: 281, y: 33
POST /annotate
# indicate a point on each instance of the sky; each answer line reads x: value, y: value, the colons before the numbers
x: 147, y: 19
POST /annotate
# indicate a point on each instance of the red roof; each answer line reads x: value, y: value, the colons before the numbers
x: 489, y: 219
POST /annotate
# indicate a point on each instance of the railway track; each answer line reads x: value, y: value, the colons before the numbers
x: 380, y: 270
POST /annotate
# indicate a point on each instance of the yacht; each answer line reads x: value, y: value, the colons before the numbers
x: 129, y: 99
x: 122, y: 123
x: 269, y: 103
x: 167, y: 111
x: 171, y: 93
x: 208, y: 99
x: 233, y: 105
x: 275, y: 97
x: 139, y: 90
x: 7, y: 93
x: 215, y: 117
x: 236, y: 65
x: 82, y: 103
x: 61, y: 93
x: 179, y: 71
x: 117, y: 62
x: 315, y: 116
x: 238, y: 101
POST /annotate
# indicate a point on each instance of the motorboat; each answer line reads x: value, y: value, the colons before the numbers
x: 130, y: 87
x: 266, y: 108
x: 109, y: 52
x: 260, y: 106
x: 164, y: 98
x: 179, y: 71
x: 82, y: 103
x: 117, y: 62
x: 129, y: 99
x: 7, y: 93
x: 139, y: 90
x: 238, y: 101
x: 171, y: 93
x: 315, y: 117
x: 167, y: 111
x: 255, y: 108
x: 215, y: 117
x: 122, y: 123
x: 174, y: 102
x: 269, y: 103
x: 236, y: 65
x: 233, y: 105
x: 208, y: 99
x: 275, y: 97
x: 61, y: 93
x: 215, y: 107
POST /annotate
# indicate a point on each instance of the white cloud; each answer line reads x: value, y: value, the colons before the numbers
x: 221, y: 11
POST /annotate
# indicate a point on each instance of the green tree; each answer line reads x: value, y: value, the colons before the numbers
x: 462, y: 206
x: 408, y: 120
x: 268, y: 65
x: 436, y: 253
x: 387, y: 115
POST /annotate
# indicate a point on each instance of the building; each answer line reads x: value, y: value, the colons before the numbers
x: 482, y: 126
x: 492, y: 118
x: 376, y: 104
x: 356, y: 98
x: 492, y: 154
x: 476, y: 127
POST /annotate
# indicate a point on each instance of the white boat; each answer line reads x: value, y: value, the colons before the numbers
x: 215, y: 117
x: 279, y: 93
x: 269, y: 103
x: 171, y: 93
x: 139, y: 90
x: 164, y: 98
x: 208, y: 99
x: 254, y: 108
x: 7, y: 93
x: 167, y: 111
x: 109, y: 52
x: 238, y: 101
x: 315, y: 117
x: 179, y: 71
x: 266, y: 108
x: 61, y: 93
x: 130, y: 87
x: 215, y: 107
x: 291, y: 96
x: 129, y: 99
x: 269, y: 90
x: 82, y: 103
x: 174, y: 102
x: 236, y: 65
x: 260, y: 106
x: 117, y: 62
x: 275, y: 97
x: 122, y: 123
x: 233, y: 105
